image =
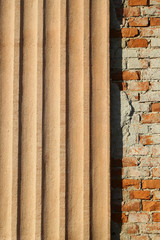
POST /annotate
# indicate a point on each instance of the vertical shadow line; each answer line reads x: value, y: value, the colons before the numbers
x: 43, y: 121
x: 90, y: 112
x: 67, y: 114
x: 19, y: 117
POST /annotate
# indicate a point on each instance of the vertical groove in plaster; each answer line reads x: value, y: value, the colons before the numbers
x: 78, y: 121
x: 30, y: 156
x: 63, y: 120
x: 15, y: 117
x: 100, y: 119
x: 86, y: 119
x: 54, y: 121
x: 39, y: 120
x: 8, y: 121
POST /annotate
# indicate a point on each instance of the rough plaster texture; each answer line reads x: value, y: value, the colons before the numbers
x: 135, y: 119
x: 54, y: 120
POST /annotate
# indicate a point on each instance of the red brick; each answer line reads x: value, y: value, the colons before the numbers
x: 119, y: 217
x: 155, y: 21
x: 126, y: 75
x: 132, y: 229
x: 131, y: 12
x: 151, y: 206
x: 129, y: 32
x: 130, y: 183
x: 138, y: 22
x: 155, y: 107
x: 146, y: 140
x: 151, y: 118
x: 139, y: 237
x: 138, y: 2
x: 138, y: 217
x: 140, y: 195
x: 150, y: 139
x: 156, y: 217
x: 139, y: 150
x: 150, y: 228
x: 156, y: 172
x: 131, y: 206
x: 129, y: 161
x: 151, y: 184
x: 138, y: 43
x: 139, y: 86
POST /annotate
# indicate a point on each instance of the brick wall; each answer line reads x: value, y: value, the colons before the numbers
x: 135, y: 119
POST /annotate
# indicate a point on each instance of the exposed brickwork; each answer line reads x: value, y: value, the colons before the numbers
x: 138, y: 43
x: 126, y: 183
x: 155, y: 21
x: 135, y: 69
x: 156, y: 217
x: 140, y: 238
x: 129, y: 32
x: 155, y: 107
x: 151, y: 118
x: 131, y: 12
x: 140, y: 194
x: 137, y: 2
x: 138, y: 22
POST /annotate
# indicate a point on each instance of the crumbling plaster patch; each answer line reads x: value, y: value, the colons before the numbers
x: 123, y: 119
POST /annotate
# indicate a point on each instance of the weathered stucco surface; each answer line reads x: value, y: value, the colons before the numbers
x: 54, y: 120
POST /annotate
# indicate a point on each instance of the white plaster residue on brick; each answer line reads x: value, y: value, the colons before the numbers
x: 151, y: 74
x: 155, y: 86
x: 150, y: 96
x: 151, y: 11
x: 128, y: 53
x: 126, y: 109
x: 155, y: 42
x: 155, y: 63
x: 136, y: 63
x: 155, y: 128
x: 122, y: 111
x: 149, y: 53
x: 129, y: 121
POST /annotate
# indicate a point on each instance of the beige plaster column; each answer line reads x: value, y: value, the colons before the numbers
x: 54, y: 120
x: 100, y: 120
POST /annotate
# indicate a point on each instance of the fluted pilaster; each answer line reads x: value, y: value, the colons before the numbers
x: 54, y: 120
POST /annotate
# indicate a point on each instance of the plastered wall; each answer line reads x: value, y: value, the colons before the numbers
x: 54, y: 120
